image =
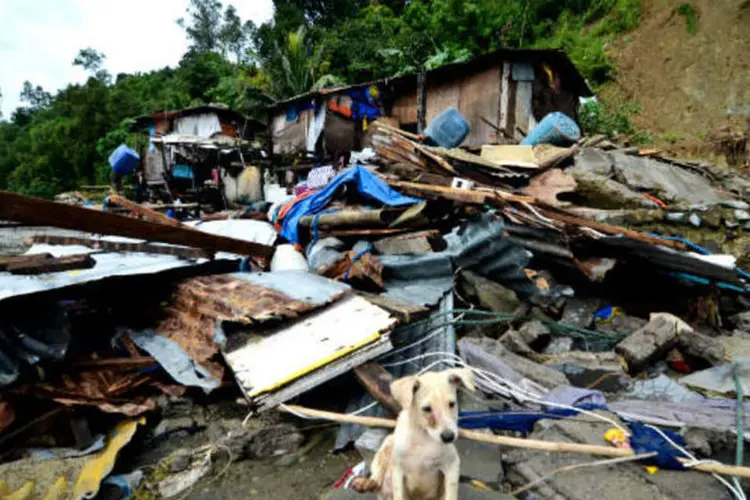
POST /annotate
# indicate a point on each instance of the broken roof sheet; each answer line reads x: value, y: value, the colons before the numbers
x: 112, y: 264
x: 265, y: 361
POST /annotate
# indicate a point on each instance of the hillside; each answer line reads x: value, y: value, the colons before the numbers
x: 687, y: 85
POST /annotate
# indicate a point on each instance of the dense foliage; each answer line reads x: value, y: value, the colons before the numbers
x: 58, y: 142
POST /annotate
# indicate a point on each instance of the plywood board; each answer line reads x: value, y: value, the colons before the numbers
x: 268, y: 361
x: 405, y: 108
x: 441, y: 96
x: 510, y: 155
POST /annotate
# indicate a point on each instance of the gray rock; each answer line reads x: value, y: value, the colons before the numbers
x: 604, y: 371
x: 465, y: 492
x: 256, y: 443
x: 702, y: 346
x: 645, y: 344
x: 180, y: 461
x: 481, y: 461
x: 736, y: 204
x: 177, y: 424
x: 741, y: 321
x: 621, y: 482
x: 695, y: 220
x: 676, y: 217
x: 559, y: 345
x: 742, y: 215
x: 514, y: 341
x: 580, y: 312
x: 490, y: 294
x: 622, y: 324
x: 370, y: 442
x: 543, y: 375
x: 533, y: 330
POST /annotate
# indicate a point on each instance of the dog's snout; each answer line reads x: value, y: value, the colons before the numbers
x: 448, y: 436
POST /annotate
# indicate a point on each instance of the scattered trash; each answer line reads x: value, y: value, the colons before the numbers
x: 534, y: 265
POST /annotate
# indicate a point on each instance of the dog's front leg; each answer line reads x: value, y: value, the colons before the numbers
x: 399, y: 485
x: 451, y: 474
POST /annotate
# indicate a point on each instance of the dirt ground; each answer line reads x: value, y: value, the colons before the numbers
x: 687, y: 85
x: 302, y: 475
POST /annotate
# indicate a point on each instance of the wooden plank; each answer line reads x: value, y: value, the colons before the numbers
x: 143, y: 211
x: 459, y: 195
x: 53, y: 265
x: 606, y: 228
x: 406, y: 313
x: 183, y: 252
x: 377, y: 381
x: 479, y: 95
x: 36, y: 211
x: 22, y: 259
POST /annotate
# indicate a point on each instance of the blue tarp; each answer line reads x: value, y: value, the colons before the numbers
x: 366, y: 184
x: 519, y: 421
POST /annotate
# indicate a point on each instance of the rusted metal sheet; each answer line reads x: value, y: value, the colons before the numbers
x: 198, y: 304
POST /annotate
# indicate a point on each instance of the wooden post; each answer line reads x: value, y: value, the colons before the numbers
x: 421, y: 101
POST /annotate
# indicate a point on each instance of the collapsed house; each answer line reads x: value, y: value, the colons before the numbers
x: 502, y: 95
x: 199, y: 154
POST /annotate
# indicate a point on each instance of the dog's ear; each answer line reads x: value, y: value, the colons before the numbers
x: 403, y: 390
x: 461, y: 376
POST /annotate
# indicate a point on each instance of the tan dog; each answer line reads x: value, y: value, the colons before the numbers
x: 419, y: 461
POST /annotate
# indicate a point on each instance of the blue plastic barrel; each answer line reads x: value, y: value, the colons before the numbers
x: 555, y: 128
x: 448, y: 129
x: 123, y: 160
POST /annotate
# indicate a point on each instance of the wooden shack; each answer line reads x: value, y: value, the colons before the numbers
x: 503, y: 95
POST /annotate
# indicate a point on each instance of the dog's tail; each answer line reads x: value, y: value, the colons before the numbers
x: 365, y: 485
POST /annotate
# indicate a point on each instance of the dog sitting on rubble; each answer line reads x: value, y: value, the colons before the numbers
x: 419, y: 460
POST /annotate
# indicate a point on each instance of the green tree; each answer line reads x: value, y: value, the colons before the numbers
x: 203, y: 26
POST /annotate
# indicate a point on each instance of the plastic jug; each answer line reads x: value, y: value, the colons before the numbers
x: 123, y: 160
x: 448, y: 129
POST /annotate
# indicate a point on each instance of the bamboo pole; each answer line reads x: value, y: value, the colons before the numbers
x: 529, y: 444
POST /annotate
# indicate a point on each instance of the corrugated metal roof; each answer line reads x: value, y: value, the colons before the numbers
x: 112, y: 264
x: 479, y: 246
x: 574, y: 81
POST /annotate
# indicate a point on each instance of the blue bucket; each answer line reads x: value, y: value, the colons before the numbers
x: 555, y: 128
x: 448, y: 129
x: 123, y: 160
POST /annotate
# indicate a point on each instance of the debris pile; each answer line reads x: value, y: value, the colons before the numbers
x: 597, y: 293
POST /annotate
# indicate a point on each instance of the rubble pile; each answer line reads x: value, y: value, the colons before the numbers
x: 596, y: 291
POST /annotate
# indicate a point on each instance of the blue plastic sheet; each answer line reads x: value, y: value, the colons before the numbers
x: 646, y: 440
x: 513, y: 420
x: 366, y: 184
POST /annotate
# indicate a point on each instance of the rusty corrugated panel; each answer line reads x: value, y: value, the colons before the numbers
x: 199, y: 303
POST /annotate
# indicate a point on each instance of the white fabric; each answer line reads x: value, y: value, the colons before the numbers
x: 316, y: 128
x: 203, y: 125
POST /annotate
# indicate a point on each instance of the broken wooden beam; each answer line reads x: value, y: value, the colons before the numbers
x: 42, y: 264
x: 417, y: 243
x: 456, y: 194
x: 139, y: 209
x: 377, y: 381
x: 114, y: 246
x: 36, y: 211
x: 22, y: 259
